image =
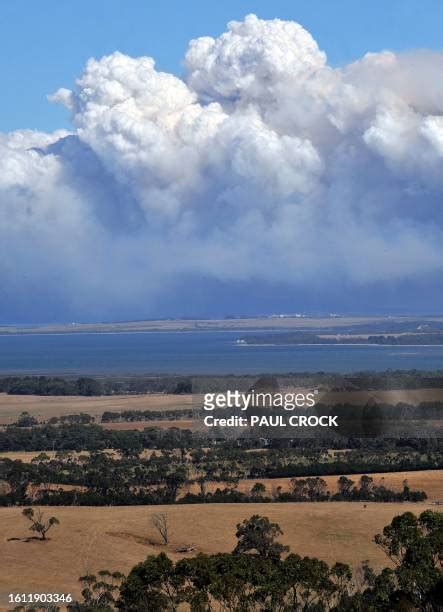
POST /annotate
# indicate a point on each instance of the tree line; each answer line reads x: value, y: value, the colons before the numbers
x: 102, y: 479
x: 108, y: 385
x: 93, y: 386
x: 133, y: 416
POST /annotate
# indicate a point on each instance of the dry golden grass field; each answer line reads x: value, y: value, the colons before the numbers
x: 25, y: 456
x: 115, y: 538
x: 44, y: 407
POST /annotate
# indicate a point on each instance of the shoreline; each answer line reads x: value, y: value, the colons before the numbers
x: 270, y: 322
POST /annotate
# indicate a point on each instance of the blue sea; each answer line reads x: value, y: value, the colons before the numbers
x: 196, y: 352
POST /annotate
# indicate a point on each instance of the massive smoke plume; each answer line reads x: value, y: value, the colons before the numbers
x: 262, y: 179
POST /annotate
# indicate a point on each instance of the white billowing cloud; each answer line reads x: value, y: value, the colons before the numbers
x: 147, y: 128
x: 251, y: 59
x: 261, y: 165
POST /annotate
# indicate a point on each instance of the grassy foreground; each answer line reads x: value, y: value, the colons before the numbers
x: 116, y: 538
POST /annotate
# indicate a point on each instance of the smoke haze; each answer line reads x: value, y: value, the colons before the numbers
x: 262, y: 180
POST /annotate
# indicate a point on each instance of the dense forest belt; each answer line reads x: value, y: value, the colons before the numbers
x: 182, y: 386
x: 128, y: 475
x: 80, y: 436
x: 65, y: 437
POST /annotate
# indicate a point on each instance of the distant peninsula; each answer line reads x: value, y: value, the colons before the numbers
x: 306, y: 338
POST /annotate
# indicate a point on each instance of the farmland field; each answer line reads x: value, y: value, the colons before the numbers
x: 44, y: 407
x: 91, y: 538
x: 115, y: 538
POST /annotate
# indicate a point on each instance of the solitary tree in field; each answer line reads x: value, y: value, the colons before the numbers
x: 259, y: 534
x: 258, y: 489
x: 160, y: 522
x: 39, y: 524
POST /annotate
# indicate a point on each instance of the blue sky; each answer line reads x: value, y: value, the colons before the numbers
x: 45, y: 44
